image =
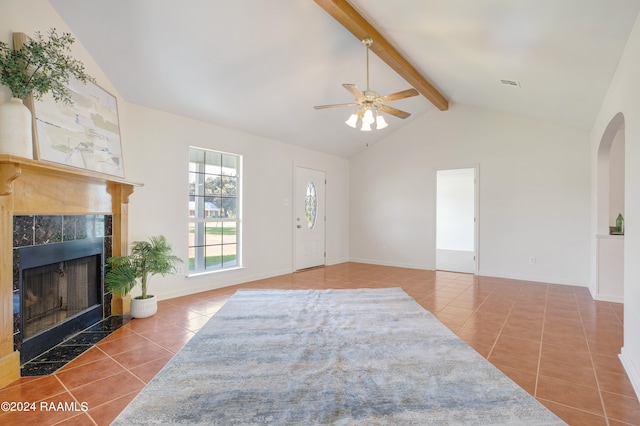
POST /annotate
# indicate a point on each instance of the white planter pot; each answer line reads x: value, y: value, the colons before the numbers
x: 144, y: 308
x: 15, y: 129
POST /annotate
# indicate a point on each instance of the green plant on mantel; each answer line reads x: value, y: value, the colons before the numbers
x: 147, y: 258
x: 41, y: 65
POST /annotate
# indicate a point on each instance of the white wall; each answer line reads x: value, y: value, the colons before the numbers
x: 534, y: 194
x: 156, y: 154
x: 623, y: 97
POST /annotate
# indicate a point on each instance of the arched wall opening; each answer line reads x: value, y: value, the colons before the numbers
x: 610, y: 204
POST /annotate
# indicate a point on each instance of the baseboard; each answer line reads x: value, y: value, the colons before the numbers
x: 232, y: 277
x: 396, y: 264
x: 605, y: 298
x: 330, y: 262
x: 632, y: 371
x: 481, y: 273
x: 525, y: 277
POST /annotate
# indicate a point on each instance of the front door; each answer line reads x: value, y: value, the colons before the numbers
x: 309, y: 218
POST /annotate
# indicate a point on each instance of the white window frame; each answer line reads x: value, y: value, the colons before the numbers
x: 198, y: 246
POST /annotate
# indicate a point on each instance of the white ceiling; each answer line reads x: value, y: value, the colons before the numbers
x: 260, y: 66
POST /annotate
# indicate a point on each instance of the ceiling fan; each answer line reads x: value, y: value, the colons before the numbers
x: 371, y: 102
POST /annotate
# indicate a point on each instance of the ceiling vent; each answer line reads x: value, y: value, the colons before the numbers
x: 513, y: 83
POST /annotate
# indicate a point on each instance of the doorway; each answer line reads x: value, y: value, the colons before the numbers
x: 309, y: 218
x: 456, y: 220
x: 609, y: 283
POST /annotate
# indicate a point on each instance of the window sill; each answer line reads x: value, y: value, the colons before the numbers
x: 213, y: 271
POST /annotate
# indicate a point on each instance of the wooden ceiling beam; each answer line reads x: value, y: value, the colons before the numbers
x: 346, y: 15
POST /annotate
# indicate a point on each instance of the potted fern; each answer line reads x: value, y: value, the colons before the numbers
x: 147, y: 258
x: 39, y: 66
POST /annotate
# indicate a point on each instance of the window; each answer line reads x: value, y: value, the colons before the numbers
x: 214, y: 210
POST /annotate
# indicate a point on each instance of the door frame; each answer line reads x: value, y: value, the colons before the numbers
x: 294, y: 223
x: 476, y: 225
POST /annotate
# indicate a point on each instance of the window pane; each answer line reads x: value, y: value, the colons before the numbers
x: 208, y: 207
x: 214, y: 233
x: 213, y: 162
x: 193, y: 188
x: 215, y: 185
x: 213, y: 257
x: 192, y: 240
x: 227, y: 207
x: 198, y: 207
x: 196, y: 156
x: 229, y: 233
x: 229, y: 165
x: 228, y: 186
x: 229, y: 255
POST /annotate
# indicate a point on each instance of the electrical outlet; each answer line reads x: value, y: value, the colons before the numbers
x: 532, y: 260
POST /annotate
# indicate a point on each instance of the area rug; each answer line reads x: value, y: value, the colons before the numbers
x: 324, y: 357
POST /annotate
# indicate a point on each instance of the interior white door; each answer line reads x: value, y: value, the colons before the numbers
x: 309, y: 218
x: 456, y: 220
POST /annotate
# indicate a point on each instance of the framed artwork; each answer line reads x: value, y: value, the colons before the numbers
x: 84, y: 135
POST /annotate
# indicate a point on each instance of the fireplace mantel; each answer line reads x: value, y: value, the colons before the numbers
x: 41, y: 188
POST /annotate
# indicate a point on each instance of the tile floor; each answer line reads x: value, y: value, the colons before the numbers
x: 554, y: 341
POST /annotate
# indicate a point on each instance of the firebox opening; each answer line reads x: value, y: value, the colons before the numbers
x: 53, y: 293
x: 61, y: 289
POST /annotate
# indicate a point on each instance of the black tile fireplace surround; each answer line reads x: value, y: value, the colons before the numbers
x: 46, y: 248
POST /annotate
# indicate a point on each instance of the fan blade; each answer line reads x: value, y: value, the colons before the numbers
x: 393, y: 111
x: 354, y: 90
x: 333, y: 106
x: 400, y: 95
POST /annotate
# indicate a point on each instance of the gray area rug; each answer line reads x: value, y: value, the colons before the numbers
x: 320, y: 357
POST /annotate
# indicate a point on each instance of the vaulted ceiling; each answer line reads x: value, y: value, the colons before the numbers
x: 261, y: 66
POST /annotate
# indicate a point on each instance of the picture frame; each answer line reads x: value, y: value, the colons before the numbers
x: 84, y: 135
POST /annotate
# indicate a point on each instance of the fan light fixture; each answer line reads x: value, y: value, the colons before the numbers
x: 352, y: 121
x: 367, y: 119
x: 371, y: 104
x: 380, y: 123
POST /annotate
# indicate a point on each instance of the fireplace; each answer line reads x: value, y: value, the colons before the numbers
x: 61, y: 293
x: 41, y: 204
